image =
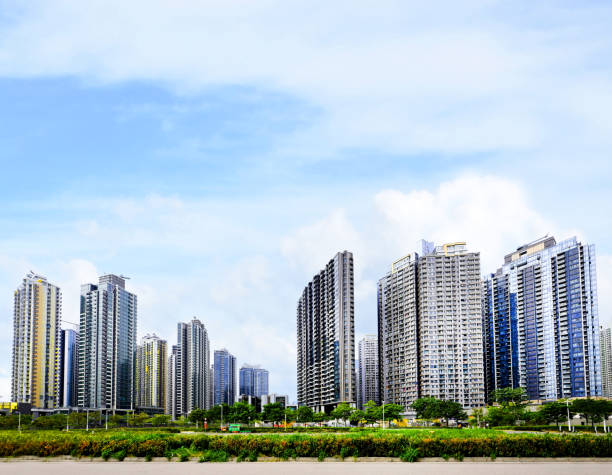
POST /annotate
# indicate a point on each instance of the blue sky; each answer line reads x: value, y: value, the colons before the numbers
x: 219, y: 153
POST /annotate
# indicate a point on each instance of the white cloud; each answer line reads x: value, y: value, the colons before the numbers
x: 396, y: 76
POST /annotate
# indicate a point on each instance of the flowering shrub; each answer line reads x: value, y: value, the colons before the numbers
x: 404, y: 444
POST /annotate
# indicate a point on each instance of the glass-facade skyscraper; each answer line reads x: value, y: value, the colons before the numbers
x: 224, y: 371
x: 107, y: 344
x: 68, y: 368
x: 541, y: 321
x: 253, y: 381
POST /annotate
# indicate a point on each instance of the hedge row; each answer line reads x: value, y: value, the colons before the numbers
x: 550, y: 428
x: 388, y: 445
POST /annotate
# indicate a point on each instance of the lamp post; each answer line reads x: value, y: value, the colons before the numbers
x: 19, y: 418
x: 67, y: 419
x: 87, y: 421
x: 569, y: 424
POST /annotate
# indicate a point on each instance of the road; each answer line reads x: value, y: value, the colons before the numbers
x: 303, y: 468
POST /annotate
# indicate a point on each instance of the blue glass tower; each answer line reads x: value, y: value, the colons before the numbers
x: 253, y: 381
x: 224, y: 376
x: 541, y: 325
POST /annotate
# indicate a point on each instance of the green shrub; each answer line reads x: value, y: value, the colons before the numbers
x: 458, y: 456
x: 119, y: 455
x: 214, y: 456
x: 411, y: 454
x: 321, y: 456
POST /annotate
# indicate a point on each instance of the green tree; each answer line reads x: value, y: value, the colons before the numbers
x: 242, y: 412
x: 214, y: 413
x: 372, y: 412
x: 356, y: 417
x: 290, y: 415
x: 427, y: 408
x: 159, y: 420
x: 510, y: 397
x: 197, y: 416
x: 304, y: 414
x: 392, y: 411
x: 477, y: 416
x: 450, y: 410
x: 113, y: 421
x: 320, y: 417
x: 342, y: 411
x: 273, y: 412
x: 553, y: 412
x: 588, y: 409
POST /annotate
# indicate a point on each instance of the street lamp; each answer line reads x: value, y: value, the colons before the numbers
x: 19, y: 418
x: 87, y: 422
x: 569, y: 424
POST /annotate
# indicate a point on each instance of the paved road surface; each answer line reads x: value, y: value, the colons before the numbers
x: 303, y: 468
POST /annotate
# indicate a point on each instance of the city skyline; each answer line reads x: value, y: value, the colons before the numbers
x: 398, y: 265
x: 224, y: 152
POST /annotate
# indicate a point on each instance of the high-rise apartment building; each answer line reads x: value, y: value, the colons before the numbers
x: 190, y: 363
x: 368, y: 383
x: 541, y: 321
x: 430, y: 327
x: 253, y: 381
x: 37, y: 317
x: 68, y: 368
x: 151, y: 367
x: 171, y: 390
x: 605, y: 343
x: 326, y: 337
x: 224, y: 370
x: 107, y: 344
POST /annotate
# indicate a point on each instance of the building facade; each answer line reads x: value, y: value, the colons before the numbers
x: 107, y: 344
x: 605, y: 343
x: 224, y: 370
x: 151, y: 367
x: 253, y: 381
x: 171, y: 379
x: 37, y: 318
x: 68, y: 368
x: 541, y: 321
x: 430, y: 327
x: 190, y: 363
x: 282, y: 399
x: 326, y: 337
x: 368, y: 383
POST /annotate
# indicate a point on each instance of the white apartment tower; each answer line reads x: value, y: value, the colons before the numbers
x: 326, y: 337
x: 368, y: 383
x: 107, y: 345
x: 430, y: 327
x: 36, y: 333
x: 190, y: 368
x: 605, y: 343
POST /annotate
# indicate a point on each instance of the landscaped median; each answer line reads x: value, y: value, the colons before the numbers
x: 409, y: 445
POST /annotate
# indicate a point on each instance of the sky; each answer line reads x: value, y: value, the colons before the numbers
x: 219, y: 153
